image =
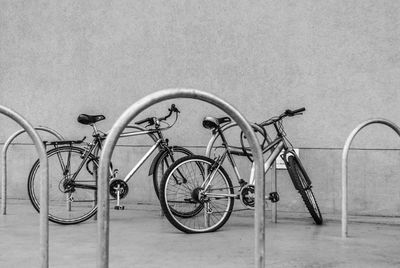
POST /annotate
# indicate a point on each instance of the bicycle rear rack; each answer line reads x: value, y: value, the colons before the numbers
x: 345, y: 160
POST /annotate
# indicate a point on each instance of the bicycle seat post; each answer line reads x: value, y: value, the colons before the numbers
x: 95, y: 131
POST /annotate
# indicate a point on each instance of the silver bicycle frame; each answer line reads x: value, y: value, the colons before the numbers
x: 280, y: 144
x: 142, y: 160
x: 142, y: 131
x: 97, y: 146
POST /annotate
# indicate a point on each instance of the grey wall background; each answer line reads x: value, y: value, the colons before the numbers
x: 339, y: 59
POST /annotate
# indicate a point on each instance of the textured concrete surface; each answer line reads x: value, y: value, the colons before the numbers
x: 139, y: 237
x: 339, y: 59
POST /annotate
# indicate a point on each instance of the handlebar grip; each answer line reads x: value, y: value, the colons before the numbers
x: 174, y: 109
x: 294, y: 112
x: 299, y: 110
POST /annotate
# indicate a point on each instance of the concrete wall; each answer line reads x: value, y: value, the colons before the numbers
x: 339, y: 59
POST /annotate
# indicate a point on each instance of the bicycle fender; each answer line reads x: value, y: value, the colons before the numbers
x: 291, y: 171
x: 162, y: 153
x: 155, y: 161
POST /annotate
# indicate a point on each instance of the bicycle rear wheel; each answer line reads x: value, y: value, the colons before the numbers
x: 303, y: 184
x: 186, y: 205
x: 70, y: 202
x: 164, y: 161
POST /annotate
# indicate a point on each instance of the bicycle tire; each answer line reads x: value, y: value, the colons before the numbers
x: 301, y: 181
x: 164, y: 161
x: 68, y: 207
x: 178, y: 198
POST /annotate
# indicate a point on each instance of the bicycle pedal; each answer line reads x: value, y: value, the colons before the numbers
x: 273, y: 197
x: 119, y: 207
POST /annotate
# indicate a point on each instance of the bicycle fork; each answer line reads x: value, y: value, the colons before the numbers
x: 272, y: 196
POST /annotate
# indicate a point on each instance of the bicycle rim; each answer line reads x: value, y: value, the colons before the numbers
x: 66, y: 206
x: 180, y: 200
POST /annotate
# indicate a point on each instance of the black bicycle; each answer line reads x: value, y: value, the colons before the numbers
x: 197, y: 195
x: 72, y: 169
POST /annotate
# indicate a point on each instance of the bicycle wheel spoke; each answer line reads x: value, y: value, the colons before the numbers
x: 165, y: 161
x: 187, y: 205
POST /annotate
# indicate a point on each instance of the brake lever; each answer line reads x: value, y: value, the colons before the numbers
x: 173, y: 109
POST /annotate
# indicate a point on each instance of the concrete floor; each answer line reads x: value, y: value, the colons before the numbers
x: 139, y: 237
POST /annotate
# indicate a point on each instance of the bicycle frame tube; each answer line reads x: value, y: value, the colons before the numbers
x: 220, y: 195
x: 137, y: 133
x: 228, y: 153
x: 275, y: 153
x: 279, y: 144
x: 64, y: 167
x: 142, y: 160
x: 210, y: 177
x: 92, y: 148
x: 96, y: 146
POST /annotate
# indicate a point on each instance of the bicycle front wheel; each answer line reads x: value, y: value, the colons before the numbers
x: 72, y: 189
x: 185, y: 202
x: 302, y: 184
x: 165, y: 160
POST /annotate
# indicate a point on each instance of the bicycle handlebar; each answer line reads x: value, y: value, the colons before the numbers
x: 152, y: 120
x: 288, y: 113
x: 171, y: 110
x: 294, y: 112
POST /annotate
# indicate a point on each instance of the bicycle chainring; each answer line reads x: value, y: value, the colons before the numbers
x: 247, y: 196
x: 118, y: 185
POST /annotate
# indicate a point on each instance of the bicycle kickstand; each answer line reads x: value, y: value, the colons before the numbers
x: 118, y: 206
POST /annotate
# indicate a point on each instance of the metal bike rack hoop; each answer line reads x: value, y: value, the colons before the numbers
x: 4, y: 163
x: 345, y: 160
x: 128, y: 116
x: 44, y: 186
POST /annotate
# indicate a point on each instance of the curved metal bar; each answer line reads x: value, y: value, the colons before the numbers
x: 345, y: 160
x: 128, y: 116
x: 44, y: 186
x: 4, y: 157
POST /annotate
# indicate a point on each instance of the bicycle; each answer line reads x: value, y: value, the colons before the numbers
x: 200, y: 187
x: 73, y: 189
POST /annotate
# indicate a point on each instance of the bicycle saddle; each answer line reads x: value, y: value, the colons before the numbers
x: 90, y: 119
x: 213, y: 123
